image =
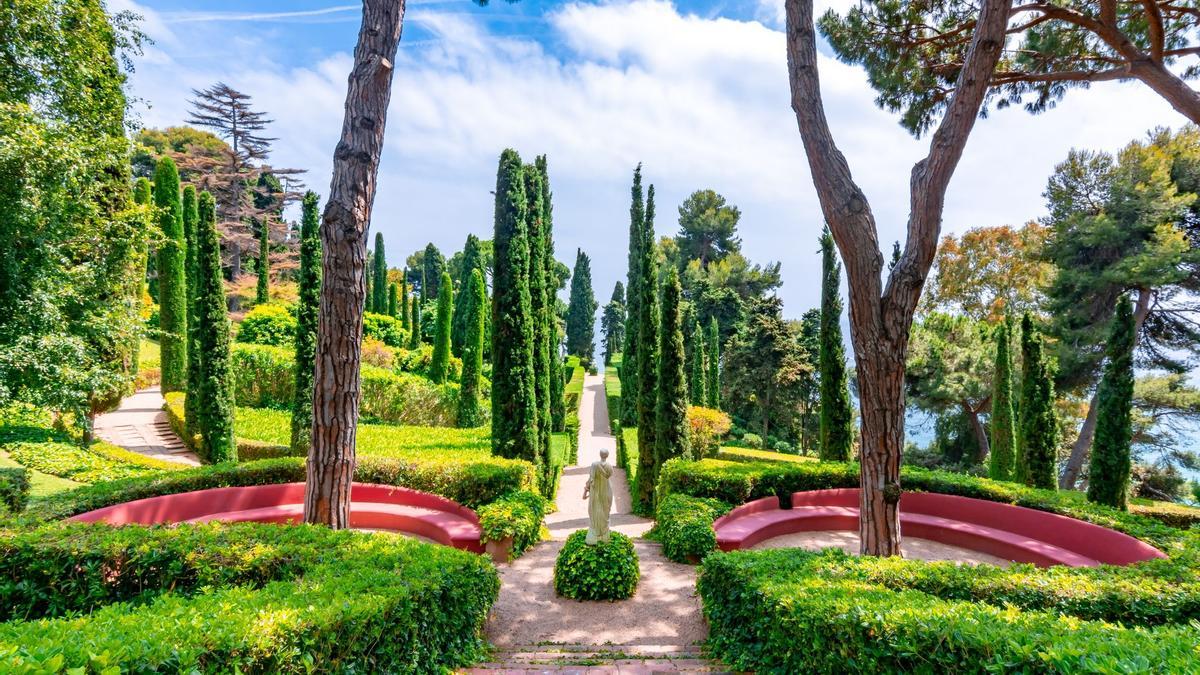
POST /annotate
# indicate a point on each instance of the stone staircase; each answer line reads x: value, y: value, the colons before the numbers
x: 597, y: 659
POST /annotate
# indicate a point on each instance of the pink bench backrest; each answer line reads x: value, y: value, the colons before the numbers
x: 756, y: 506
x: 835, y: 497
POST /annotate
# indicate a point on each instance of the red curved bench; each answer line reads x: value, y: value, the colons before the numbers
x: 1003, y: 530
x: 382, y: 507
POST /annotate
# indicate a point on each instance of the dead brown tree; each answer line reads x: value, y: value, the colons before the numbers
x: 344, y: 240
x: 880, y: 316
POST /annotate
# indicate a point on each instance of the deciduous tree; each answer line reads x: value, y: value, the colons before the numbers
x: 987, y: 273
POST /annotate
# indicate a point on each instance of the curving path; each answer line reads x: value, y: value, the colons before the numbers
x: 140, y: 425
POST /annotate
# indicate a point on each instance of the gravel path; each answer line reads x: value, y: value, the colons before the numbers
x: 911, y: 547
x: 140, y: 425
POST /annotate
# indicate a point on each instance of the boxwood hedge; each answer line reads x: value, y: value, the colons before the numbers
x: 684, y: 526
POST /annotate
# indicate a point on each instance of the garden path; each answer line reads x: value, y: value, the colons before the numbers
x: 140, y: 425
x: 658, y: 630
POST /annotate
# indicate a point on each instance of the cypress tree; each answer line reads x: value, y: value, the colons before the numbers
x: 633, y: 295
x: 191, y: 230
x: 472, y: 259
x: 441, y: 337
x: 307, y: 312
x: 558, y: 410
x: 670, y: 412
x: 514, y: 406
x: 647, y: 376
x: 262, y: 293
x: 414, y: 337
x: 713, y: 381
x: 1037, y: 441
x: 216, y: 385
x: 1003, y: 434
x: 141, y: 195
x: 468, y: 391
x: 836, y: 417
x: 581, y: 310
x: 368, y: 279
x: 1108, y: 475
x: 379, y: 285
x: 433, y: 264
x: 404, y: 318
x: 697, y: 387
x: 539, y: 315
x: 172, y: 277
x: 393, y: 301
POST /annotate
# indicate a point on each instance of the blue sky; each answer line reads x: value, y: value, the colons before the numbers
x: 697, y: 91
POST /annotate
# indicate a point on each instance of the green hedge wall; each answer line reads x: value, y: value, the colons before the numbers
x: 275, y: 599
x: 14, y: 489
x: 684, y: 526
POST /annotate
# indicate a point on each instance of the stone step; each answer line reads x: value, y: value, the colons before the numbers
x: 596, y: 659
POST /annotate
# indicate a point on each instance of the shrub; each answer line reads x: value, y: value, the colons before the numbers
x: 685, y: 526
x: 706, y: 428
x: 734, y: 454
x: 377, y: 354
x: 269, y: 324
x: 14, y: 488
x: 753, y: 440
x: 96, y: 463
x: 606, y: 571
x: 517, y: 515
x: 384, y: 328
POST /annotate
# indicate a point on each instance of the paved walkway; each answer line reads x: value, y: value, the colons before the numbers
x: 140, y: 425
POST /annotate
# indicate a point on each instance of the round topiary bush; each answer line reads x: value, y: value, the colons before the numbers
x: 605, y: 571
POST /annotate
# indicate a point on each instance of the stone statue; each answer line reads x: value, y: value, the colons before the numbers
x: 599, y: 494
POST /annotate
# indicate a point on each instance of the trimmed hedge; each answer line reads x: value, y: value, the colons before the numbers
x: 684, y: 526
x: 790, y: 610
x: 607, y: 570
x: 1175, y: 515
x: 14, y: 489
x: 517, y: 515
x: 97, y: 463
x: 275, y: 599
x: 733, y: 454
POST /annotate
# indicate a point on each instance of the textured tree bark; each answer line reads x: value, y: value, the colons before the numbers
x: 981, y: 437
x: 344, y: 238
x: 1184, y: 99
x: 880, y: 318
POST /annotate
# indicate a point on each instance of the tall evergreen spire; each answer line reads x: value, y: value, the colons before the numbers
x: 697, y: 385
x: 647, y: 376
x: 670, y: 415
x: 472, y: 259
x: 1108, y: 475
x: 172, y: 277
x: 262, y: 292
x: 215, y: 419
x: 440, y: 363
x: 836, y: 418
x: 539, y: 316
x: 307, y: 312
x: 581, y: 310
x: 191, y: 224
x: 558, y: 413
x: 633, y: 294
x: 379, y: 284
x: 1037, y: 443
x: 1003, y: 433
x: 713, y: 381
x: 472, y: 355
x: 404, y: 314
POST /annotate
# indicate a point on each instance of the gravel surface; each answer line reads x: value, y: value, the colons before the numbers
x: 911, y: 547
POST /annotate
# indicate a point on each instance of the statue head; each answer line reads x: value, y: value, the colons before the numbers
x: 603, y: 454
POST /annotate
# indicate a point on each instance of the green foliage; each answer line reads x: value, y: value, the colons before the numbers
x: 633, y: 304
x: 607, y: 570
x: 684, y: 526
x: 554, y: 280
x: 97, y: 463
x: 697, y: 368
x: 441, y: 339
x: 433, y: 264
x: 612, y: 323
x: 541, y: 301
x: 472, y: 351
x: 517, y: 515
x: 268, y: 324
x: 1037, y: 439
x: 414, y: 337
x: 646, y: 391
x: 767, y: 370
x: 713, y: 380
x: 1004, y: 435
x: 384, y: 328
x: 14, y: 488
x: 275, y: 599
x: 707, y: 228
x: 836, y: 434
x: 191, y: 229
x: 393, y: 301
x: 462, y: 332
x: 215, y: 389
x: 262, y: 289
x: 307, y: 314
x: 1108, y: 475
x: 379, y: 282
x: 671, y: 434
x: 736, y: 454
x: 581, y: 310
x: 172, y: 276
x: 405, y: 316
x: 950, y: 372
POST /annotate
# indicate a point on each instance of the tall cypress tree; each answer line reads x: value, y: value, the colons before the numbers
x: 379, y: 285
x: 441, y: 336
x: 393, y: 302
x: 432, y: 266
x: 216, y: 384
x: 697, y: 384
x: 1108, y: 475
x: 172, y: 277
x: 612, y: 323
x: 1037, y: 442
x: 1003, y: 433
x: 415, y: 338
x: 539, y: 316
x: 670, y: 412
x: 368, y: 280
x: 633, y: 306
x: 836, y: 418
x: 647, y: 377
x: 143, y: 195
x: 191, y: 229
x: 714, y: 365
x: 558, y: 411
x: 475, y: 301
x: 404, y: 317
x: 307, y: 312
x: 514, y: 406
x: 581, y: 310
x: 472, y: 259
x: 262, y: 293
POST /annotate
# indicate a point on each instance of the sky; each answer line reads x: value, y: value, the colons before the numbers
x: 696, y: 91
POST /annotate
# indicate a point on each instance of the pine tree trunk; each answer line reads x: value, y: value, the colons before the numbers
x: 880, y: 369
x: 981, y: 437
x: 344, y: 237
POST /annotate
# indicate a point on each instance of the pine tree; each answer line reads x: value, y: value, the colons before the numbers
x: 191, y: 229
x: 671, y: 407
x: 404, y: 317
x: 472, y: 259
x: 468, y: 391
x: 647, y: 376
x: 393, y: 301
x: 713, y: 381
x: 1003, y: 434
x: 836, y: 418
x: 539, y: 315
x: 1037, y: 442
x: 558, y: 409
x: 581, y: 310
x: 262, y: 293
x: 697, y: 386
x: 514, y: 406
x: 1108, y: 475
x: 216, y: 384
x: 439, y: 367
x: 633, y: 307
x: 379, y: 285
x: 172, y: 277
x: 307, y: 312
x: 415, y: 338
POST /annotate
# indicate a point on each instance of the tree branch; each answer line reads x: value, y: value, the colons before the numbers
x: 1155, y: 29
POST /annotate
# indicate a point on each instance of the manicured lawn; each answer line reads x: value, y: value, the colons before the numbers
x: 41, y: 484
x: 752, y: 455
x: 149, y: 355
x: 630, y: 437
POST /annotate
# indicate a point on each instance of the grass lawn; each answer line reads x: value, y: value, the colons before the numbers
x: 752, y: 455
x: 630, y: 437
x: 149, y: 356
x: 41, y: 484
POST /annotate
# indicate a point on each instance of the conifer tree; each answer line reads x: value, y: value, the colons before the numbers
x: 647, y: 377
x: 142, y: 194
x: 172, y: 277
x: 215, y: 413
x: 379, y: 285
x: 1003, y: 433
x: 368, y: 281
x: 612, y: 323
x: 414, y: 337
x: 1108, y: 475
x: 713, y: 381
x: 671, y: 407
x: 308, y: 309
x: 697, y: 386
x: 539, y: 316
x: 393, y: 301
x: 404, y: 316
x: 441, y: 336
x: 262, y: 294
x: 472, y: 259
x: 558, y: 411
x: 514, y: 406
x: 633, y: 295
x: 472, y: 355
x: 581, y: 310
x: 1037, y: 442
x: 433, y: 263
x: 836, y: 418
x: 191, y: 229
